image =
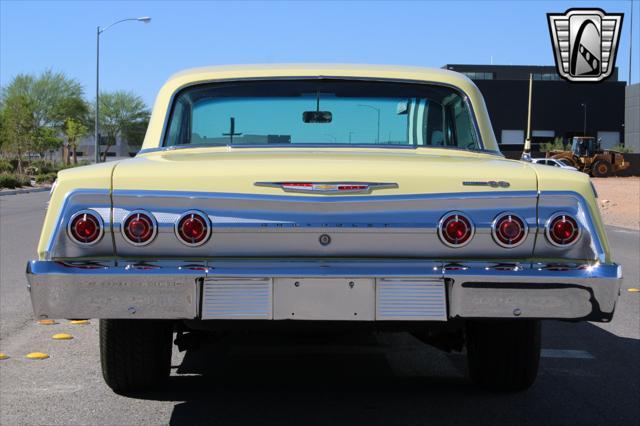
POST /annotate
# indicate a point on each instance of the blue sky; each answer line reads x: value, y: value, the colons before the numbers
x: 61, y: 35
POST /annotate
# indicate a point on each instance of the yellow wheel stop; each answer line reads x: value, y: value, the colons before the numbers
x: 62, y: 336
x: 79, y: 321
x: 3, y: 356
x: 47, y: 322
x: 37, y: 355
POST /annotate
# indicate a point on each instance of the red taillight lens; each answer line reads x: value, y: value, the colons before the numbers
x: 509, y: 230
x: 139, y: 228
x: 455, y: 230
x: 193, y: 228
x: 563, y: 230
x: 85, y: 227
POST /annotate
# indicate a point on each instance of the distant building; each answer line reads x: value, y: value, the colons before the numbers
x: 121, y: 149
x: 632, y: 117
x: 558, y: 106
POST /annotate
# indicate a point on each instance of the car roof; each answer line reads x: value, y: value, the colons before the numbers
x: 395, y: 72
x: 213, y: 74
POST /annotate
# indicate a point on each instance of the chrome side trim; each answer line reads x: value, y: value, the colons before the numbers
x: 79, y: 199
x: 550, y: 202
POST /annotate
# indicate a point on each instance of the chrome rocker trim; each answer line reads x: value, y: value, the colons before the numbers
x: 173, y: 289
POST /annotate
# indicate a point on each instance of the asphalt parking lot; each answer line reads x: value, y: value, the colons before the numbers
x: 590, y: 372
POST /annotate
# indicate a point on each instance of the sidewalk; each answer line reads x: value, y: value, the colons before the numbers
x: 24, y: 190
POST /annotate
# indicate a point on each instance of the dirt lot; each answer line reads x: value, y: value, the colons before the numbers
x: 619, y: 201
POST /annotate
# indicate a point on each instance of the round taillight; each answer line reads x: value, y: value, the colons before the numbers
x: 562, y: 230
x: 455, y: 230
x: 193, y: 229
x: 509, y: 230
x: 85, y: 227
x: 139, y: 228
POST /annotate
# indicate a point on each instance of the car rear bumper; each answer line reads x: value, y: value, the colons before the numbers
x: 361, y: 290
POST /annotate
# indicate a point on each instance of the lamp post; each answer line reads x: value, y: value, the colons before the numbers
x: 99, y: 31
x: 378, y: 111
x: 584, y: 125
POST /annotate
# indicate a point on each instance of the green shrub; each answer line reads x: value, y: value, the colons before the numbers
x: 622, y: 148
x: 42, y: 167
x: 8, y: 180
x: 12, y: 180
x: 24, y: 180
x: 46, y: 177
x: 5, y: 167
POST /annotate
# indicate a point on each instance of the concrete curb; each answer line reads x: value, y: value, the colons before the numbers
x: 25, y: 190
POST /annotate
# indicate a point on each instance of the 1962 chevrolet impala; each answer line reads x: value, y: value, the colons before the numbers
x: 283, y: 198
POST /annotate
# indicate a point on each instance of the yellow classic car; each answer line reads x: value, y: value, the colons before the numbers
x: 317, y: 197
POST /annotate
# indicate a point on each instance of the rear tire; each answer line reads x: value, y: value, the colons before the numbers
x: 601, y: 169
x: 135, y: 354
x: 503, y: 355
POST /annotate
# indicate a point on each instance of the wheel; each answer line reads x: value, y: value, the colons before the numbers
x: 135, y: 354
x: 503, y: 355
x: 601, y: 168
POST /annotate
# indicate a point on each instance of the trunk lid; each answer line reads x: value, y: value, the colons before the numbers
x: 237, y: 170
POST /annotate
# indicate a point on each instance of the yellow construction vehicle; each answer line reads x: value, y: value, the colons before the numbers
x: 587, y: 156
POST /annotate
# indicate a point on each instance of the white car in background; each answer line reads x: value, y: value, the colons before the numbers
x: 553, y: 162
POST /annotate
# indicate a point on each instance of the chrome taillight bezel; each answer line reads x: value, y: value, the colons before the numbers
x: 154, y: 224
x: 495, y: 231
x: 207, y: 222
x: 577, y: 234
x: 441, y: 223
x: 98, y: 220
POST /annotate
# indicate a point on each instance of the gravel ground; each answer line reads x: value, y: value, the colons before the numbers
x: 619, y: 201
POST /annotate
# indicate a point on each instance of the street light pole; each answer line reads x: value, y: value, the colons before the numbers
x: 96, y: 126
x: 378, y: 111
x: 584, y: 127
x: 99, y: 31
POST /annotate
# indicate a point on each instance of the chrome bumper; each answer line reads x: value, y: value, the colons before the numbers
x: 240, y: 289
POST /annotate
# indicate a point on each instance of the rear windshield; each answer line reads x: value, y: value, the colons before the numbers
x: 321, y: 112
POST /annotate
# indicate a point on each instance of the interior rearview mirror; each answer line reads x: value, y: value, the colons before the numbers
x: 317, y: 116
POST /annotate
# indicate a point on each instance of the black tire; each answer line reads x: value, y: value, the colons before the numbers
x: 135, y: 354
x: 503, y: 355
x: 601, y: 168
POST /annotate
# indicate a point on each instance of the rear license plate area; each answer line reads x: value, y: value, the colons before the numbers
x: 337, y: 299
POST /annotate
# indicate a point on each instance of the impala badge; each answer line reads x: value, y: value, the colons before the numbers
x: 328, y: 187
x: 489, y: 183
